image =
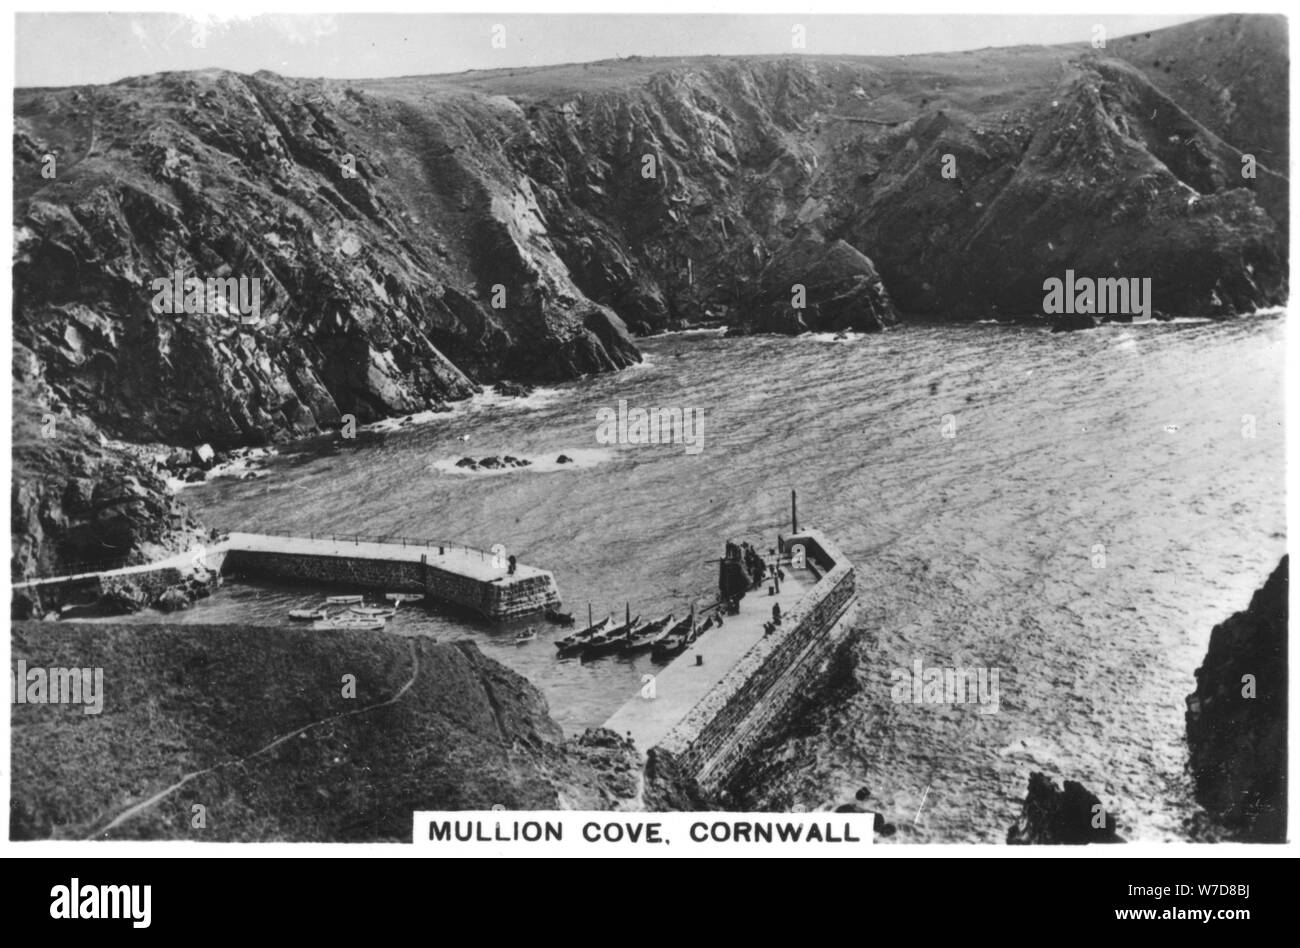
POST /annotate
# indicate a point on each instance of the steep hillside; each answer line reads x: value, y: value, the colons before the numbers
x: 1231, y: 73
x: 416, y: 237
x: 437, y: 727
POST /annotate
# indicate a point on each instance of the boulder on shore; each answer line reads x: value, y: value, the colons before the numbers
x: 203, y: 456
x: 512, y: 389
x: 1237, y: 717
x: 1071, y: 322
x: 1052, y: 816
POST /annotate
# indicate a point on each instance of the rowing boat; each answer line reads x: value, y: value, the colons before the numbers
x: 308, y: 614
x: 344, y: 600
x: 350, y: 623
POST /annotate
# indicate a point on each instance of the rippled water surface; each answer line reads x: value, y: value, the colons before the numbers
x: 972, y: 550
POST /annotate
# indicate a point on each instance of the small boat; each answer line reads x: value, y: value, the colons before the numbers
x: 645, y: 636
x: 374, y: 612
x: 677, y: 638
x: 344, y: 600
x: 571, y: 643
x: 559, y: 618
x: 609, y: 642
x: 308, y: 614
x: 350, y: 623
x: 403, y: 597
x: 525, y: 636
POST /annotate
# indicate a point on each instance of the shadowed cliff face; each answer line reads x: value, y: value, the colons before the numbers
x: 1237, y: 717
x: 413, y: 238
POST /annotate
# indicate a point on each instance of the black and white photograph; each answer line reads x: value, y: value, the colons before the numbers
x: 473, y: 431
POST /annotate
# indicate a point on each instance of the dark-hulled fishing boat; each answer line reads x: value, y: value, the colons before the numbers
x: 559, y: 618
x: 571, y: 644
x: 608, y: 642
x: 673, y: 642
x: 645, y: 636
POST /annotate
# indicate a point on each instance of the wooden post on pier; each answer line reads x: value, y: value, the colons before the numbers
x: 628, y: 613
x: 589, y: 622
x: 794, y: 510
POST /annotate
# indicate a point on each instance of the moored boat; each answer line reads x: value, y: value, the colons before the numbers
x: 571, y: 643
x: 308, y: 614
x: 350, y: 623
x: 525, y: 636
x: 374, y: 612
x: 403, y: 597
x: 644, y: 636
x: 675, y: 641
x: 345, y: 600
x: 609, y: 642
x: 559, y: 618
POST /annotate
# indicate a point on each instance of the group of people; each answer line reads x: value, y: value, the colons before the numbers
x: 743, y: 569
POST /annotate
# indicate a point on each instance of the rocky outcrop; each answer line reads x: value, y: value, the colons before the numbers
x: 818, y: 285
x: 1237, y: 718
x: 1052, y: 816
x: 467, y: 734
x: 79, y: 504
x: 669, y: 788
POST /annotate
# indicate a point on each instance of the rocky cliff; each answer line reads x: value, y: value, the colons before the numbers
x: 437, y: 727
x: 1237, y: 718
x: 413, y: 238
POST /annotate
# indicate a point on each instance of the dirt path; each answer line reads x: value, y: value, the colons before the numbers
x: 168, y: 791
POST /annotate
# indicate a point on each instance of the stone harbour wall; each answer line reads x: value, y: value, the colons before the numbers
x: 761, y: 690
x: 498, y: 599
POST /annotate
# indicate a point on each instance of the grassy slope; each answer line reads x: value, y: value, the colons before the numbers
x: 467, y: 735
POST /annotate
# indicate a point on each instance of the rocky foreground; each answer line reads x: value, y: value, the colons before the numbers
x: 1237, y: 718
x: 414, y: 239
x: 467, y: 733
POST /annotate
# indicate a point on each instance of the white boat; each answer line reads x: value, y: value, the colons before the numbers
x: 403, y: 597
x: 350, y: 623
x: 526, y: 636
x: 345, y: 600
x: 307, y: 614
x: 373, y: 612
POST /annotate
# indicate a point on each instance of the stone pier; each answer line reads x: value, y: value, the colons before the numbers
x: 453, y: 574
x: 709, y: 716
